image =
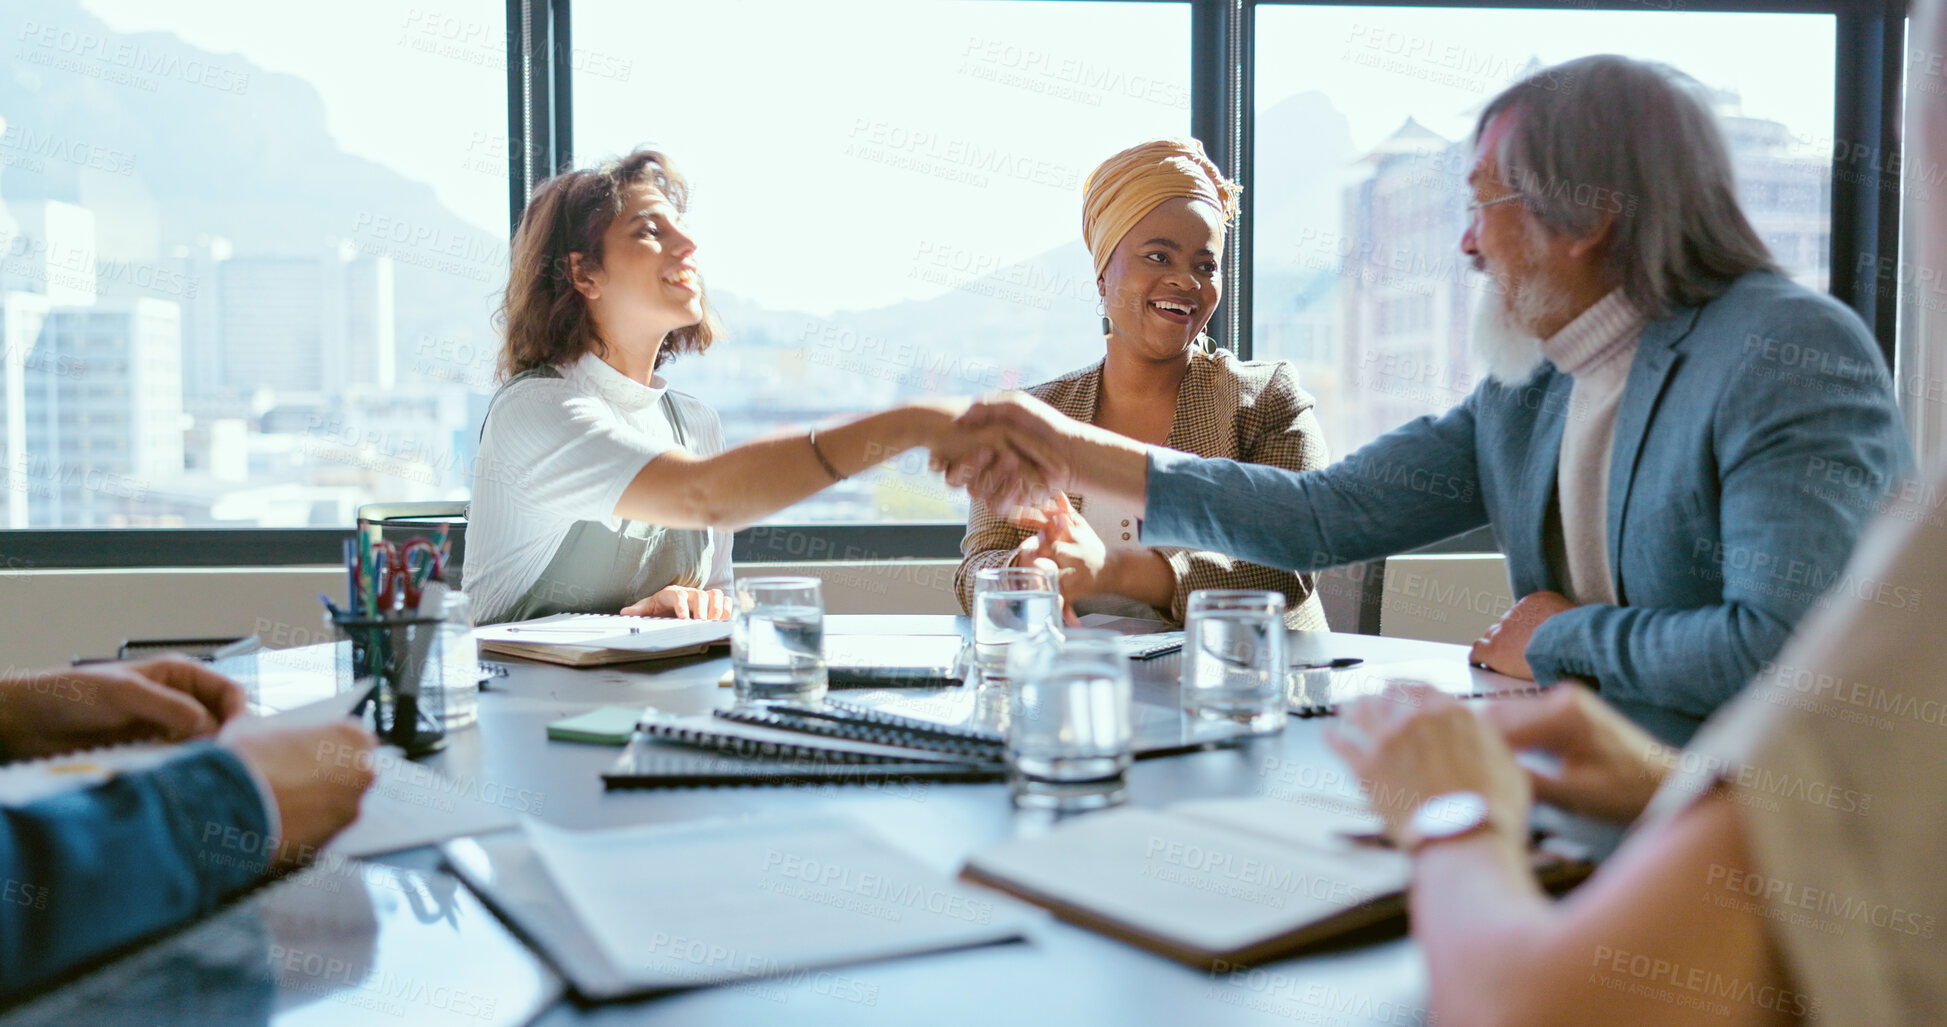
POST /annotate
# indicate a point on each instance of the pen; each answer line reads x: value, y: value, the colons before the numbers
x: 331, y: 607
x: 350, y: 550
x: 1338, y: 664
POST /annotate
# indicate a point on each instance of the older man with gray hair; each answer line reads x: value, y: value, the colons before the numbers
x: 1676, y: 445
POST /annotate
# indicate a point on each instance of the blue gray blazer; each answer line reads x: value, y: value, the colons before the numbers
x: 87, y: 872
x: 1755, y: 437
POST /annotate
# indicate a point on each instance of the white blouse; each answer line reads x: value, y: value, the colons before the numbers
x: 560, y: 450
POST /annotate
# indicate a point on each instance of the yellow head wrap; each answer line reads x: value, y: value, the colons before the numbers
x: 1126, y: 187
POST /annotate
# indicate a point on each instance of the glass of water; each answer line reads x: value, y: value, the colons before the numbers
x: 1234, y: 658
x: 777, y: 640
x: 459, y: 661
x: 1068, y: 731
x: 1010, y: 604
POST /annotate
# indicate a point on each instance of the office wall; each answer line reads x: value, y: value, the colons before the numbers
x: 53, y: 616
x: 1443, y: 598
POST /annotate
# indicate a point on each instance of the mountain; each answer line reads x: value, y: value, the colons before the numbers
x: 201, y: 144
x: 1304, y: 153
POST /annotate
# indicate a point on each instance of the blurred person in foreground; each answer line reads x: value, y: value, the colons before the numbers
x: 1676, y: 445
x: 88, y: 871
x: 1786, y: 869
x: 1154, y: 217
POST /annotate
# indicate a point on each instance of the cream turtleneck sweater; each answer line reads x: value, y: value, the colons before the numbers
x: 1596, y: 350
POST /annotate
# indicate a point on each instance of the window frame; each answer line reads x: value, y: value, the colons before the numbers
x: 1867, y: 108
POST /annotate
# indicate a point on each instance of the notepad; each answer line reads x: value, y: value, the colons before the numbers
x: 1320, y: 692
x: 1216, y: 884
x: 607, y: 725
x: 592, y: 639
x: 662, y: 907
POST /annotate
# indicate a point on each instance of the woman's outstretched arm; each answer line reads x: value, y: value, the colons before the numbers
x: 744, y: 484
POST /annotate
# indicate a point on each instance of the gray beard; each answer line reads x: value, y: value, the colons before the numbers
x: 1510, y: 354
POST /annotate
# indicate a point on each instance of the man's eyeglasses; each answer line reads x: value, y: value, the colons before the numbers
x: 1474, y: 208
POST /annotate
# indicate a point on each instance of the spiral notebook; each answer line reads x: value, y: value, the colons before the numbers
x: 699, y: 751
x: 752, y: 734
x: 948, y: 718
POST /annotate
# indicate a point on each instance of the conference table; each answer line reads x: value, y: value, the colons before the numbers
x: 1060, y: 974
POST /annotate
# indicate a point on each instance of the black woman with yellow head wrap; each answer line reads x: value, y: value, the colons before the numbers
x: 1154, y: 217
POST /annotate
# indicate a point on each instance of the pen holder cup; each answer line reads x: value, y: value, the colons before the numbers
x: 395, y: 662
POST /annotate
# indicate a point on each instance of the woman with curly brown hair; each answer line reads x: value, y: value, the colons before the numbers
x: 597, y: 487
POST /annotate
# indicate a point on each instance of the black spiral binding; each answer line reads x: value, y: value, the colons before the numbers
x: 751, y: 747
x: 930, y: 737
x: 918, y: 725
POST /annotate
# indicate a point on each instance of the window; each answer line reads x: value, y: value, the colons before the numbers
x: 887, y: 196
x: 1362, y: 120
x: 249, y: 253
x: 258, y: 245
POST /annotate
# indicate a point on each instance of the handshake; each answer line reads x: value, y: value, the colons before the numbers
x: 1011, y: 450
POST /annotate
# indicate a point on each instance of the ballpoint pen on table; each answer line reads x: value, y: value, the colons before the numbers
x: 1337, y: 664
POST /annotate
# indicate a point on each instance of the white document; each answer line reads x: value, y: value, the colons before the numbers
x: 608, y: 631
x: 1324, y: 686
x: 703, y: 904
x: 410, y: 804
x: 28, y: 781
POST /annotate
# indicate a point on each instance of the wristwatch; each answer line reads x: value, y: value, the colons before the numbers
x: 1444, y: 816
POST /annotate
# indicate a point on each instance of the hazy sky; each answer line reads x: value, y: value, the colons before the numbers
x: 838, y: 150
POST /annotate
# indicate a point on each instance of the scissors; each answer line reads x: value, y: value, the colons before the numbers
x: 401, y: 577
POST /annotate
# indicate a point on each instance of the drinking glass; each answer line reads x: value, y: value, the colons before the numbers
x: 1234, y: 658
x: 459, y: 660
x: 1069, y: 739
x: 1010, y: 604
x: 777, y: 640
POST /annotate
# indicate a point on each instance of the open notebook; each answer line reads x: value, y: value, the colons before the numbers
x: 646, y: 909
x: 1217, y: 884
x: 595, y: 639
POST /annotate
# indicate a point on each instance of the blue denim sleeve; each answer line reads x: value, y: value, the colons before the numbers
x: 1412, y: 486
x: 84, y: 873
x: 1805, y: 459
